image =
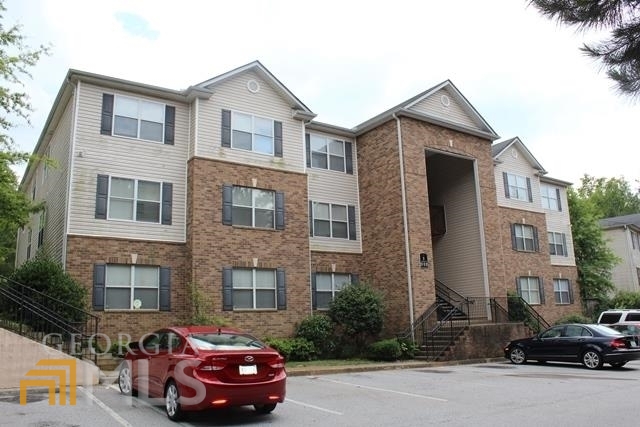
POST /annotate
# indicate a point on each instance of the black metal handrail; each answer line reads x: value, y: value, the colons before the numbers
x: 521, y: 311
x: 444, y: 333
x: 46, y: 319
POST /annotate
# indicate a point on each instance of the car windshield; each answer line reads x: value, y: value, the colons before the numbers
x: 606, y: 330
x: 224, y: 341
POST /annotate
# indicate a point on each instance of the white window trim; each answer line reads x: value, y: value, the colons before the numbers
x: 558, y: 291
x: 515, y: 195
x: 331, y: 220
x: 553, y: 236
x: 253, y: 117
x: 524, y: 239
x: 254, y: 288
x: 138, y: 138
x: 333, y: 291
x: 328, y: 154
x: 548, y: 193
x: 132, y: 287
x: 529, y: 280
x: 135, y: 201
x: 253, y: 207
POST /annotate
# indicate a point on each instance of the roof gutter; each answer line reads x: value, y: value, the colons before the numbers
x: 405, y: 225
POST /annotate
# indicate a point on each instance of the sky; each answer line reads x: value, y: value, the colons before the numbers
x: 350, y: 60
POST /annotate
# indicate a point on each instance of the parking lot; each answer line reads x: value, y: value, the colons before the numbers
x: 489, y: 394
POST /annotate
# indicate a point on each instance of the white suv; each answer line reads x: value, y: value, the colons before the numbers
x: 610, y: 317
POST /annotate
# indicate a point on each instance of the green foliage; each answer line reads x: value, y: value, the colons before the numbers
x: 620, y: 52
x: 573, y: 318
x: 293, y: 349
x: 408, y: 348
x: 388, y: 350
x: 48, y: 277
x: 318, y: 329
x: 118, y: 349
x: 519, y: 312
x: 358, y: 312
x: 15, y: 207
x: 201, y: 308
x: 625, y: 299
x: 594, y: 259
x: 609, y: 197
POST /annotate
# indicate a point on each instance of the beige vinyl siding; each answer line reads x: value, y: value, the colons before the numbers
x: 517, y: 164
x: 232, y: 94
x: 127, y: 158
x: 327, y: 186
x: 433, y: 106
x: 560, y: 222
x: 624, y: 274
x: 458, y: 259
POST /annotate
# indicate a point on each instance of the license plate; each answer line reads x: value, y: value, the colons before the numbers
x: 248, y: 370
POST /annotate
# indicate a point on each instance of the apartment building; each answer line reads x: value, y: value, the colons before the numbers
x: 231, y: 186
x: 622, y: 234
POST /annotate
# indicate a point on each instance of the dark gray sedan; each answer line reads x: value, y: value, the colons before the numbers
x: 590, y: 344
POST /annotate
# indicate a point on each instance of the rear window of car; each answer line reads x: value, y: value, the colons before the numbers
x: 606, y: 330
x: 609, y: 318
x: 216, y: 341
x: 632, y: 317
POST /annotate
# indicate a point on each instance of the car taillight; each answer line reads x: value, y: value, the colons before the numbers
x: 213, y: 366
x: 618, y: 343
x: 277, y: 363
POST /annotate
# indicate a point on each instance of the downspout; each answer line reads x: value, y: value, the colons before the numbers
x: 65, y: 232
x: 405, y: 225
x: 306, y: 172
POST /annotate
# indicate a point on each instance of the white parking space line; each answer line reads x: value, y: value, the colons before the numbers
x: 314, y: 407
x: 420, y: 396
x: 105, y: 408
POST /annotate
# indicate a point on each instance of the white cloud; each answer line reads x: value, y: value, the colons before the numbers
x: 349, y: 61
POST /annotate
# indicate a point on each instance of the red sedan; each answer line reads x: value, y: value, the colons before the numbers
x: 200, y: 367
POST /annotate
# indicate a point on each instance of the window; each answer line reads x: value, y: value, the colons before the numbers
x: 517, y: 187
x: 254, y: 288
x: 332, y: 220
x: 133, y: 200
x: 329, y: 153
x: 524, y: 237
x: 326, y: 286
x: 252, y: 133
x: 252, y: 207
x: 530, y: 289
x: 137, y: 118
x: 131, y: 287
x: 557, y: 244
x: 635, y: 240
x: 41, y: 229
x: 550, y: 197
x: 562, y: 291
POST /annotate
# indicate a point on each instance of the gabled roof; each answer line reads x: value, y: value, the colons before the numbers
x: 302, y: 111
x: 482, y: 129
x: 621, y: 221
x: 501, y: 147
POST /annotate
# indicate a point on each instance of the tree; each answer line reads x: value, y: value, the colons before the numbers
x: 594, y: 259
x: 619, y: 54
x: 610, y: 197
x: 15, y: 60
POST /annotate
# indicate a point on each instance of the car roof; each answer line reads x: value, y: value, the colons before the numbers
x: 199, y: 329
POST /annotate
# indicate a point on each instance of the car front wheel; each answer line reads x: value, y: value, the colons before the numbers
x: 591, y: 359
x: 517, y: 356
x: 125, y: 382
x: 172, y: 402
x: 265, y: 409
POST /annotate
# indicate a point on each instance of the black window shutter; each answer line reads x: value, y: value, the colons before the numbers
x: 226, y: 128
x: 558, y: 197
x: 102, y: 194
x: 514, y: 241
x: 348, y: 157
x: 277, y: 139
x: 310, y: 218
x: 314, y: 296
x: 308, y: 144
x: 541, y: 291
x: 505, y: 179
x: 227, y: 288
x: 281, y: 284
x: 167, y: 201
x: 564, y: 245
x: 536, y: 242
x: 529, y: 193
x: 351, y: 212
x: 107, y: 114
x: 570, y: 292
x: 165, y: 288
x: 279, y: 210
x: 98, y: 296
x: 227, y: 204
x: 169, y: 124
x: 355, y: 278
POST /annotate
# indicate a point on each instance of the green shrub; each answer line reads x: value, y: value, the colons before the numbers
x: 319, y: 329
x: 388, y: 350
x: 573, y: 318
x: 408, y: 348
x: 625, y: 299
x: 119, y: 349
x: 293, y: 349
x: 358, y: 312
